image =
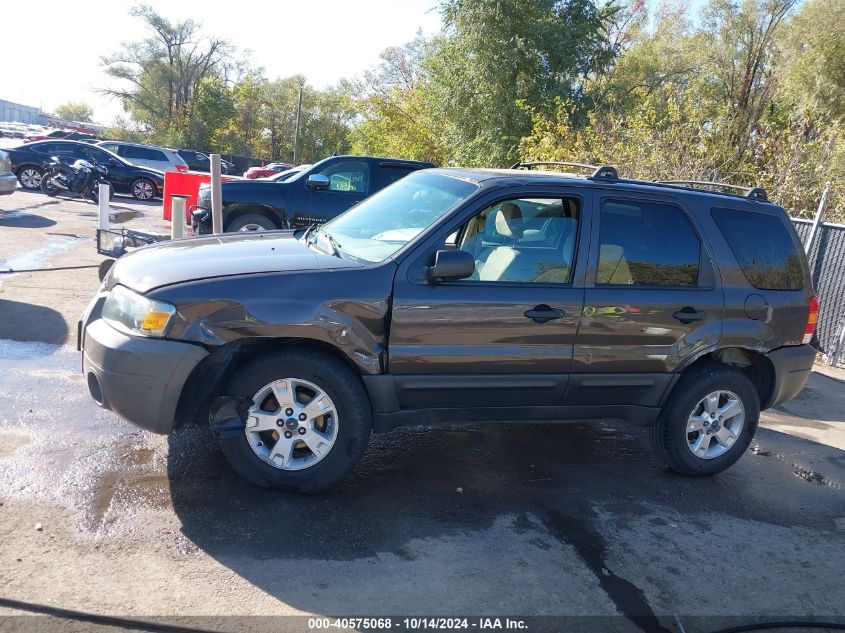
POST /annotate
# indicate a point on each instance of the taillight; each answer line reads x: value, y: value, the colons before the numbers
x: 812, y: 319
x: 181, y: 168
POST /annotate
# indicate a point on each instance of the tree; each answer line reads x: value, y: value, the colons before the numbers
x: 494, y: 54
x: 398, y: 117
x: 162, y: 74
x: 75, y: 111
x: 813, y: 83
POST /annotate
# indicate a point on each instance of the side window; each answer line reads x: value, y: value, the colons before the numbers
x: 142, y: 153
x: 112, y: 147
x: 528, y: 240
x: 67, y: 150
x: 763, y: 247
x: 646, y: 244
x: 45, y: 148
x: 348, y: 175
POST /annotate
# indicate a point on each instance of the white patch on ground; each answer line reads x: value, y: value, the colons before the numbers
x: 38, y: 257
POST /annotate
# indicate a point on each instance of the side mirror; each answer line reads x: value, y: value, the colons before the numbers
x: 113, y: 163
x: 451, y: 265
x: 318, y: 181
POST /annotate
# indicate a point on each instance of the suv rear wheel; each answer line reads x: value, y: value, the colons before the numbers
x: 708, y: 421
x: 308, y: 425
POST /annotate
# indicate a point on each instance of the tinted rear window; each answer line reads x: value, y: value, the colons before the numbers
x: 646, y: 244
x: 143, y: 153
x: 763, y: 247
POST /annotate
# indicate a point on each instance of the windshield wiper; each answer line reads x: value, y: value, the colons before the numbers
x: 335, y: 247
x: 333, y: 242
x: 308, y: 232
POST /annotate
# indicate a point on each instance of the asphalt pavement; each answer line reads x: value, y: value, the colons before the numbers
x: 538, y: 520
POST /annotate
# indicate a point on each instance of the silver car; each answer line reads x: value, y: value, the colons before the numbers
x: 161, y: 158
x: 8, y: 181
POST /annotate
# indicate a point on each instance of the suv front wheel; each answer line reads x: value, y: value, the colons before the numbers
x: 251, y: 222
x: 307, y: 426
x: 708, y: 421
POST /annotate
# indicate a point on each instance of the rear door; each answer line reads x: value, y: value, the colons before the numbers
x: 652, y: 301
x: 505, y: 336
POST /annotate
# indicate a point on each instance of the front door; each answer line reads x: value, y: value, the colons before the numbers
x: 350, y: 181
x: 503, y: 337
x: 652, y: 302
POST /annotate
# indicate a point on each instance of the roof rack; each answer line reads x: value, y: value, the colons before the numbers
x: 600, y: 172
x: 755, y: 193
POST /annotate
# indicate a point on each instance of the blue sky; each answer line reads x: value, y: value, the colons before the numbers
x: 57, y: 46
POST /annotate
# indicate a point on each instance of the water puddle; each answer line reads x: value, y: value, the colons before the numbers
x: 802, y: 472
x: 125, y: 216
x: 126, y: 490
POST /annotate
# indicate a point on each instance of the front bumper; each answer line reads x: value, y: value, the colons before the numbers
x: 8, y: 184
x: 792, y: 369
x: 140, y: 379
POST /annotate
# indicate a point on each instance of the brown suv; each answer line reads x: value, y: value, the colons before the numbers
x: 461, y: 295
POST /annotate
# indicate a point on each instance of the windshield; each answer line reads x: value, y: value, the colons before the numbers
x: 379, y: 226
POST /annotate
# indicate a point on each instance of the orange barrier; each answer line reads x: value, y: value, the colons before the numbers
x: 183, y: 183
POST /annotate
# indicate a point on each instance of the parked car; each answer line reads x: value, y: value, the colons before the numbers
x: 315, y: 194
x: 28, y: 161
x: 266, y: 170
x: 464, y: 295
x: 287, y: 174
x: 160, y: 158
x: 8, y: 180
x: 197, y: 161
x: 8, y: 132
x: 67, y: 135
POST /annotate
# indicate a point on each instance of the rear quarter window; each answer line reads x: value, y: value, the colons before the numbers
x: 764, y: 248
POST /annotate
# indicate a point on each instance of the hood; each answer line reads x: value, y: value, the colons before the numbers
x: 196, y: 258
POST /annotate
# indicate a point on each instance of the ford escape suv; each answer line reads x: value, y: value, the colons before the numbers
x: 464, y: 295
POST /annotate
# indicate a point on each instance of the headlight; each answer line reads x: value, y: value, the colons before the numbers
x: 132, y: 313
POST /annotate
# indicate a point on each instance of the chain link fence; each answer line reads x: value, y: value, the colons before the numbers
x: 827, y: 264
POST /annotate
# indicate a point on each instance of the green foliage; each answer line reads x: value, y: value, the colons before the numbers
x: 75, y: 111
x: 182, y: 88
x: 813, y: 80
x: 745, y: 92
x: 721, y: 101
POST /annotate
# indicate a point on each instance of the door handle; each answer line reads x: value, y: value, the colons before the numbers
x: 543, y: 314
x: 689, y: 314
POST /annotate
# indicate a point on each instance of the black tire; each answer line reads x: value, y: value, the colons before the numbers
x: 671, y: 432
x: 246, y: 221
x: 47, y: 188
x: 30, y: 177
x: 143, y: 189
x: 354, y: 425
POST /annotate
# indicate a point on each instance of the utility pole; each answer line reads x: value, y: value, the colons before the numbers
x: 296, y: 132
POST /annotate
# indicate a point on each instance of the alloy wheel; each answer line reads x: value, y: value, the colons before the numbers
x: 143, y: 190
x: 30, y: 178
x: 292, y: 424
x: 715, y: 424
